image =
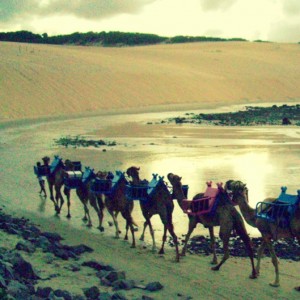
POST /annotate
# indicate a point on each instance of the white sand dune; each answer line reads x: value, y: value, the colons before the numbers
x: 46, y: 80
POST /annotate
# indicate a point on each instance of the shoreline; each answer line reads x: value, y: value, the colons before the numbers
x: 151, y: 109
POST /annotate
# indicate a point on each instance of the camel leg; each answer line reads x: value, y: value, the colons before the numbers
x: 175, y: 240
x: 260, y: 253
x: 99, y: 207
x: 275, y: 263
x: 114, y: 217
x: 213, y: 245
x: 151, y: 232
x: 225, y: 240
x: 58, y: 196
x: 87, y: 213
x: 52, y: 197
x: 143, y: 233
x: 67, y: 192
x: 129, y: 224
x: 241, y: 231
x: 192, y: 226
x: 162, y: 251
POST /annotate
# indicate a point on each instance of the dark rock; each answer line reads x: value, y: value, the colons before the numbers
x: 51, y: 236
x: 115, y: 275
x: 123, y: 284
x: 97, y: 265
x: 63, y: 294
x: 25, y: 246
x: 42, y: 242
x: 80, y: 249
x: 154, y: 286
x: 19, y: 290
x: 20, y: 266
x: 92, y: 293
x: 43, y: 292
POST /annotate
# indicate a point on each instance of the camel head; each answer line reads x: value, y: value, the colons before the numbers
x: 46, y: 160
x: 68, y: 165
x: 235, y: 190
x: 175, y: 180
x: 101, y: 174
x: 133, y: 172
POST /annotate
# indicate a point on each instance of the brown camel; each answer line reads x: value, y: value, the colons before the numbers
x: 226, y: 216
x: 160, y: 203
x: 269, y: 231
x: 86, y: 196
x: 55, y: 179
x: 116, y: 202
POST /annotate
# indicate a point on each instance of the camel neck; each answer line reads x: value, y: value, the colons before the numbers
x: 179, y: 195
x: 247, y: 211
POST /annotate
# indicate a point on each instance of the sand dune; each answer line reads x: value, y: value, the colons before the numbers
x: 46, y: 80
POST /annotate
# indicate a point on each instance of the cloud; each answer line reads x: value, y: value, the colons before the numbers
x: 291, y: 7
x: 285, y: 32
x: 210, y: 5
x: 86, y: 9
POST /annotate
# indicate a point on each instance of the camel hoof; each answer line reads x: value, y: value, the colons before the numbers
x: 161, y: 251
x: 253, y: 276
x: 214, y: 262
x: 132, y: 246
x: 89, y: 225
x: 126, y: 238
x: 84, y: 219
x: 68, y: 216
x: 182, y: 254
x: 297, y: 288
x: 215, y: 268
x: 274, y: 284
x: 101, y: 228
x: 142, y: 238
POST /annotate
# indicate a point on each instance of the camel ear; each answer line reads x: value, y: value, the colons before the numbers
x: 180, y: 178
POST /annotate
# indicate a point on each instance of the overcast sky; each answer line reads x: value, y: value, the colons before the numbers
x: 272, y: 20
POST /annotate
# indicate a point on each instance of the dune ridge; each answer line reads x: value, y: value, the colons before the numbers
x: 46, y: 80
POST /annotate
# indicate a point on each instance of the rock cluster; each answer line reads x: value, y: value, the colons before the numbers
x: 285, y: 249
x: 18, y: 277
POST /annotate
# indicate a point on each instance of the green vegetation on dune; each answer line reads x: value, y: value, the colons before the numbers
x: 113, y: 38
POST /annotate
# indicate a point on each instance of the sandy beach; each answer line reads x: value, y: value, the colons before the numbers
x: 122, y: 94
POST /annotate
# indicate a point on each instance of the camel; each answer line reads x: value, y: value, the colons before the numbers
x: 86, y: 196
x: 116, y: 202
x: 55, y: 179
x: 269, y: 231
x: 160, y: 203
x: 226, y: 216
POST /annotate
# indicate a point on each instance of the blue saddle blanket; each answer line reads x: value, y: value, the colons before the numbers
x: 281, y: 211
x: 145, y: 191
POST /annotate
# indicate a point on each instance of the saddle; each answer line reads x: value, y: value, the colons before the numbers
x: 281, y: 211
x: 205, y: 205
x: 146, y: 190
